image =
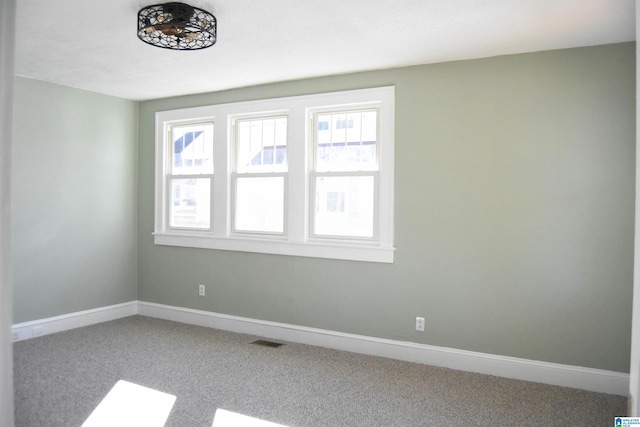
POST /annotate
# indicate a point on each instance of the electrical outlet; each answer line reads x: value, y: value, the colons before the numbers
x: 420, y: 324
x: 201, y: 290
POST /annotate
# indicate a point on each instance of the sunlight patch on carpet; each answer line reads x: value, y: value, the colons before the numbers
x: 225, y: 418
x: 132, y: 405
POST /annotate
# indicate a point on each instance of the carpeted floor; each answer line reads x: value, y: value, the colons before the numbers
x: 60, y: 378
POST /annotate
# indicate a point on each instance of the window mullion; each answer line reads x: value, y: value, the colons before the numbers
x: 297, y: 217
x: 221, y: 162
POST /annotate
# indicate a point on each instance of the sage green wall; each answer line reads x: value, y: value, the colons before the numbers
x: 74, y: 184
x: 514, y: 215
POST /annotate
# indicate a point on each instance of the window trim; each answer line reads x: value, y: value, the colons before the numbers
x: 298, y: 240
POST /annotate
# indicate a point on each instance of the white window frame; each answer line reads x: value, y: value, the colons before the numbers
x: 297, y: 239
x: 236, y: 175
x: 169, y: 177
x: 314, y: 173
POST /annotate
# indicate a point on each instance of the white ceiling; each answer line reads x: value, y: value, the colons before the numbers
x: 92, y: 44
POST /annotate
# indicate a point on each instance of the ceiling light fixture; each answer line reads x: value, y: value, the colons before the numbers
x: 176, y: 26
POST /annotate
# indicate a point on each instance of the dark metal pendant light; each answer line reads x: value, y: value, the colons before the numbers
x: 176, y: 26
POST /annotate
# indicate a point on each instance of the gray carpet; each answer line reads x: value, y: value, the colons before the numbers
x: 61, y: 378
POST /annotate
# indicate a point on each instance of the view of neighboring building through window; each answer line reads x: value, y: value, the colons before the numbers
x: 260, y: 171
x: 345, y: 173
x: 190, y: 175
x: 307, y: 175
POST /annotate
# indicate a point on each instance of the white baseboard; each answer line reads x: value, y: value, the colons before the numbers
x: 51, y: 325
x: 598, y: 380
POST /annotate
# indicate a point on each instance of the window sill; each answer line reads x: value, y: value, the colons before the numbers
x: 351, y: 252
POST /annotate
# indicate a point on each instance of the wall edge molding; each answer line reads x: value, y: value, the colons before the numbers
x: 51, y: 325
x: 590, y: 379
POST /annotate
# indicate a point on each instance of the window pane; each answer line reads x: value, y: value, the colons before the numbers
x: 190, y: 203
x: 192, y: 149
x: 346, y: 141
x: 261, y: 145
x: 260, y: 204
x: 344, y: 206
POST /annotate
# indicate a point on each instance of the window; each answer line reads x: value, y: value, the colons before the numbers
x: 345, y: 172
x: 190, y: 174
x: 259, y: 175
x: 302, y: 176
